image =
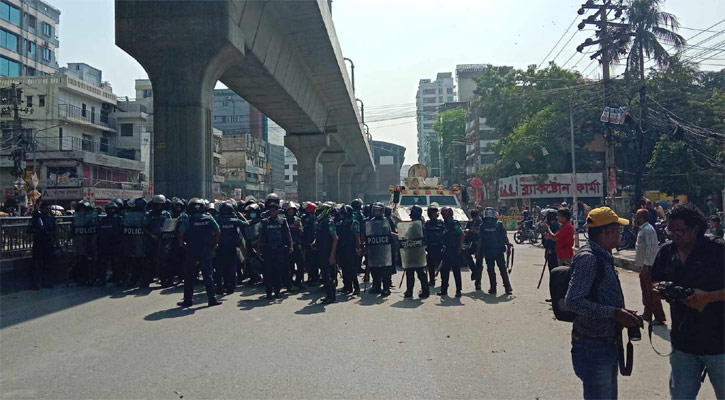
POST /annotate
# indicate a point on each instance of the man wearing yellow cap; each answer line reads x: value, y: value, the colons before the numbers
x: 595, y: 295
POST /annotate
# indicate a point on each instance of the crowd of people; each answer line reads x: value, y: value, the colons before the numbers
x: 135, y: 243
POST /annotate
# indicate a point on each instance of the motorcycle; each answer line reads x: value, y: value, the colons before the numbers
x: 524, y: 233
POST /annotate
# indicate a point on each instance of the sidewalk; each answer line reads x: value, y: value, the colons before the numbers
x: 625, y: 259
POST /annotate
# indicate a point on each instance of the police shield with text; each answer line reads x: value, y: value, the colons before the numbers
x: 378, y: 242
x: 412, y: 252
x: 199, y: 236
x: 274, y: 244
x: 433, y: 229
x: 85, y: 234
x: 492, y: 244
x: 134, y: 246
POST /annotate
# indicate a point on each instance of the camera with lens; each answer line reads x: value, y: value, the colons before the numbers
x: 671, y: 292
x: 633, y: 333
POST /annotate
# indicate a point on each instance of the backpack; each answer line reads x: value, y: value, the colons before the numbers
x: 559, y: 285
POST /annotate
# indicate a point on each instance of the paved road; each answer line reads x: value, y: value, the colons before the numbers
x: 84, y: 343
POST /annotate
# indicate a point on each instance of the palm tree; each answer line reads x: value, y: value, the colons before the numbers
x: 647, y: 30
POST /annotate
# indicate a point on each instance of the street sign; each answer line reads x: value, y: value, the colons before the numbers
x: 477, y: 183
x: 19, y: 184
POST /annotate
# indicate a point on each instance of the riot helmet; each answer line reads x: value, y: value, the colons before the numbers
x: 446, y: 212
x: 433, y: 211
x: 118, y: 202
x: 271, y: 200
x: 111, y: 208
x: 140, y: 204
x: 177, y: 205
x: 416, y: 212
x: 347, y: 211
x: 356, y: 204
x: 310, y: 207
x: 158, y: 199
x: 226, y: 210
x: 323, y: 211
x: 211, y: 208
x: 489, y: 212
x: 252, y: 210
x: 377, y: 210
x: 196, y: 205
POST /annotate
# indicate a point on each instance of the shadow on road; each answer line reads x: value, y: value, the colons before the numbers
x: 175, y: 312
x: 488, y: 298
x: 447, y: 301
x: 367, y: 299
x: 408, y: 303
x: 250, y: 304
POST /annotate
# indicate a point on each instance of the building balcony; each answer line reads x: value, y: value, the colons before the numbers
x: 90, y: 151
x: 71, y: 113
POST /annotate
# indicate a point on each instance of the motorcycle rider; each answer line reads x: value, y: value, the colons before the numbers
x: 325, y: 245
x: 348, y: 250
x: 416, y: 214
x: 109, y: 236
x: 274, y: 245
x: 492, y: 245
x: 200, y: 236
x: 452, y: 252
x: 433, y: 230
x: 296, y: 260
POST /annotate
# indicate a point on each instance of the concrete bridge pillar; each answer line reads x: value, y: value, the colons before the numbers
x: 307, y: 149
x: 331, y: 164
x: 183, y: 64
x: 347, y: 172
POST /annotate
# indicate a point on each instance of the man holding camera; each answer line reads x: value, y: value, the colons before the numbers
x: 691, y: 272
x: 595, y: 295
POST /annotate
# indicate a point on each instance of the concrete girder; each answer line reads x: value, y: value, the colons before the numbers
x: 332, y: 162
x: 307, y: 148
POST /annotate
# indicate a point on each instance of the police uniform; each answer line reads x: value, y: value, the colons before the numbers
x: 378, y: 243
x: 309, y: 229
x: 492, y: 246
x: 433, y: 230
x: 296, y: 258
x: 452, y: 260
x: 109, y: 237
x: 421, y: 272
x: 134, y: 247
x: 476, y: 266
x: 225, y: 274
x: 43, y: 228
x: 325, y: 233
x: 85, y: 235
x: 347, y: 256
x: 275, y: 237
x: 157, y: 247
x: 198, y: 233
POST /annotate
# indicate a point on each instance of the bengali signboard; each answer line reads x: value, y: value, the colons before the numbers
x: 550, y: 186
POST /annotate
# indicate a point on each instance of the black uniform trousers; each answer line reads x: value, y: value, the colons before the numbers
x: 433, y: 259
x: 349, y: 265
x: 312, y: 264
x: 381, y: 277
x: 451, y: 262
x: 422, y: 277
x: 43, y: 265
x: 494, y: 258
x: 328, y: 278
x: 551, y: 258
x: 275, y: 265
x: 193, y: 263
x: 225, y: 264
x: 296, y: 262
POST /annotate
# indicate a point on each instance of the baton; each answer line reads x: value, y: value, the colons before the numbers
x: 546, y: 261
x: 438, y: 269
x: 401, y: 279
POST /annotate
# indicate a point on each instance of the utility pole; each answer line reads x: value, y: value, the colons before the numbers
x: 607, y: 44
x: 575, y: 207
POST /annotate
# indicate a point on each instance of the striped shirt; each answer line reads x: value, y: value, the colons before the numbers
x: 647, y: 245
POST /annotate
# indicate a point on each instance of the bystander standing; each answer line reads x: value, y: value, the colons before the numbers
x: 645, y: 253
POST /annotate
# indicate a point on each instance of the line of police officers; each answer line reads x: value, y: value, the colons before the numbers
x: 170, y: 241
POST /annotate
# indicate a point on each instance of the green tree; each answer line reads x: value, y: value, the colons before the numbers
x: 450, y: 127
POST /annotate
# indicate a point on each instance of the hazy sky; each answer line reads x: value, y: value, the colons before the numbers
x: 394, y: 43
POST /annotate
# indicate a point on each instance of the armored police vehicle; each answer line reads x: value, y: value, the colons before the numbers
x: 422, y: 190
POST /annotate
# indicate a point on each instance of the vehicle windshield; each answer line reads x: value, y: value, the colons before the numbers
x: 412, y: 200
x: 444, y: 200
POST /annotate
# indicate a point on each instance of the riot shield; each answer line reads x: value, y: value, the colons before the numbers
x: 133, y: 241
x: 85, y: 233
x: 412, y: 248
x: 379, y: 243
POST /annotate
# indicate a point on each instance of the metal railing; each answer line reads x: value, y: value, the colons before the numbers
x: 81, y: 114
x: 17, y: 242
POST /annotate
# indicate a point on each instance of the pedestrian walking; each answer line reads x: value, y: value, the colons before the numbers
x: 693, y: 261
x: 595, y: 296
x: 645, y: 252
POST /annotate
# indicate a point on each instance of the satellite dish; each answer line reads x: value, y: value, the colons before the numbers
x: 418, y: 171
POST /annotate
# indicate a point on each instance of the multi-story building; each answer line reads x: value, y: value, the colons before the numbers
x: 28, y: 38
x: 430, y: 95
x: 233, y: 115
x: 290, y: 175
x: 466, y: 75
x: 72, y: 137
x: 233, y: 149
x: 480, y: 138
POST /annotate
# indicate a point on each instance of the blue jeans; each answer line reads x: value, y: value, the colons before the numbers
x: 687, y: 371
x: 595, y: 363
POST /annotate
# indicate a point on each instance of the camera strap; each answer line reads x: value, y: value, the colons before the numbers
x: 625, y: 367
x: 649, y: 333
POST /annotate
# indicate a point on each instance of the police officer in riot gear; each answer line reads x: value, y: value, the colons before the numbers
x: 378, y: 244
x: 226, y: 255
x: 200, y: 236
x: 433, y: 230
x: 274, y: 244
x: 492, y: 245
x: 42, y: 227
x: 133, y: 240
x: 309, y: 229
x: 158, y: 245
x: 175, y: 261
x: 252, y: 267
x: 296, y: 259
x: 325, y: 246
x: 452, y: 252
x: 416, y: 214
x: 357, y: 213
x: 109, y: 237
x: 85, y: 234
x: 348, y: 250
x: 395, y: 244
x: 470, y: 246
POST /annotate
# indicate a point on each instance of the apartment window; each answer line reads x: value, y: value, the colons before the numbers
x: 126, y: 129
x: 32, y: 22
x: 10, y: 13
x: 9, y: 67
x: 450, y: 98
x: 427, y: 126
x: 429, y: 100
x: 87, y: 143
x: 29, y: 101
x: 41, y: 100
x: 440, y: 99
x: 104, y: 145
x: 148, y: 93
x: 47, y: 30
x: 8, y: 40
x: 47, y: 54
x: 31, y: 48
x: 83, y: 110
x: 449, y: 91
x: 31, y: 71
x: 440, y: 91
x: 60, y: 138
x: 429, y: 91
